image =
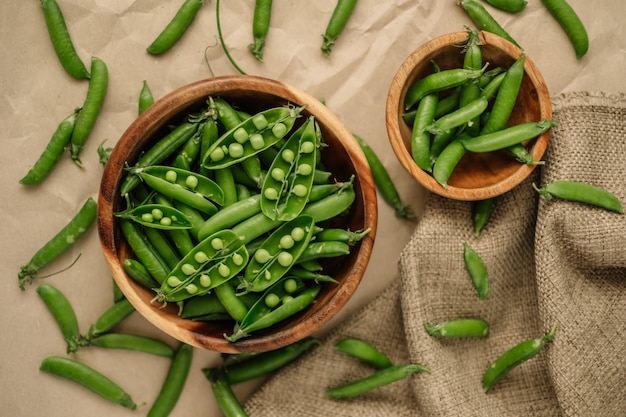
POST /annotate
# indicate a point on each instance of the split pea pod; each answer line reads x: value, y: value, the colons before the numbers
x: 188, y: 187
x: 477, y: 270
x: 364, y: 351
x: 328, y: 249
x: 485, y: 21
x: 287, y: 186
x: 223, y: 392
x: 383, y: 181
x: 52, y: 153
x: 378, y: 379
x: 133, y: 342
x: 175, y: 28
x: 87, y: 377
x: 61, y: 242
x: 63, y: 314
x: 61, y: 40
x: 260, y: 27
x: 174, y: 382
x: 458, y: 328
x: 157, y: 216
x: 86, y: 119
x: 261, y: 315
x: 337, y: 23
x: 250, y: 137
x: 463, y: 116
x: 574, y: 28
x: 507, y: 137
x: 278, y: 253
x: 514, y: 357
x: 267, y: 362
x: 511, y: 6
x: 209, y: 264
x: 159, y: 152
x: 581, y: 192
x: 111, y: 317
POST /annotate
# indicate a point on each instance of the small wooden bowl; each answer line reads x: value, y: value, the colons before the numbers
x: 477, y: 176
x: 343, y: 158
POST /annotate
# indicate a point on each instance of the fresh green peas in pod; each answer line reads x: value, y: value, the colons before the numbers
x: 278, y: 253
x: 261, y: 316
x: 251, y: 136
x: 157, y: 216
x: 283, y: 196
x: 212, y: 262
x: 188, y: 187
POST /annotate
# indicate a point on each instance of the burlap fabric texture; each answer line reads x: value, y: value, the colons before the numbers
x: 550, y: 263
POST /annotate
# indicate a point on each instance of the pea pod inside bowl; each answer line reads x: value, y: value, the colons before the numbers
x: 249, y: 158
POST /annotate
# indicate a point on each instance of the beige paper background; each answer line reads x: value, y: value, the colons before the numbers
x: 37, y: 95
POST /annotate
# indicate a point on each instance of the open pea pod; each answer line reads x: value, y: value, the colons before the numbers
x: 255, y: 134
x: 188, y: 187
x: 212, y: 262
x: 276, y: 305
x: 278, y: 253
x: 157, y: 216
x: 288, y: 184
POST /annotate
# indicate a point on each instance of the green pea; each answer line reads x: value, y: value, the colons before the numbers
x: 477, y: 271
x: 171, y: 176
x: 223, y: 270
x: 272, y: 300
x: 205, y: 280
x: 270, y: 194
x: 202, y: 257
x: 278, y: 174
x: 290, y: 285
x: 458, y: 328
x: 287, y: 242
x: 300, y: 190
x: 157, y: 213
x: 188, y: 269
x: 298, y: 233
x: 166, y: 221
x: 257, y: 142
x: 173, y: 281
x: 235, y: 150
x: 240, y: 135
x: 259, y: 121
x: 304, y: 169
x: 147, y: 217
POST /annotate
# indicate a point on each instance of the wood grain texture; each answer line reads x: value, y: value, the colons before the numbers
x: 343, y: 157
x: 478, y: 176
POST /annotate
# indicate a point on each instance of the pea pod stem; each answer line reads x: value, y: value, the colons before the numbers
x: 378, y: 379
x: 509, y: 136
x: 514, y: 357
x: 485, y: 21
x: 87, y: 377
x: 110, y: 318
x: 60, y: 243
x: 581, y: 192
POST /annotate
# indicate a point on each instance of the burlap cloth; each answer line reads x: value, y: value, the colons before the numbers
x: 549, y: 262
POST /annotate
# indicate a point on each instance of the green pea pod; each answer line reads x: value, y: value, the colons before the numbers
x: 212, y: 262
x: 439, y: 81
x: 188, y: 187
x: 174, y: 382
x: 259, y: 319
x: 420, y: 135
x: 133, y: 342
x: 338, y: 21
x: 514, y: 357
x: 364, y: 351
x: 230, y: 216
x: 53, y: 152
x: 581, y: 192
x: 87, y: 377
x: 113, y: 316
x: 202, y: 305
x: 260, y: 27
x: 63, y: 314
x: 157, y: 216
x: 146, y: 99
x: 278, y: 253
x: 507, y: 137
x: 477, y: 271
x: 458, y: 328
x: 61, y: 242
x: 175, y: 28
x: 250, y: 137
x: 288, y: 184
x: 144, y: 251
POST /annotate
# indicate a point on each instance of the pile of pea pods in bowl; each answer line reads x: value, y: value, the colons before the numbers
x: 237, y: 214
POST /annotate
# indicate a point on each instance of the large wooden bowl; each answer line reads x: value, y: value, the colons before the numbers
x: 343, y: 157
x: 477, y: 176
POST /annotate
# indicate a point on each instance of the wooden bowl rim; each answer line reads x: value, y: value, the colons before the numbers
x: 155, y: 117
x: 395, y: 105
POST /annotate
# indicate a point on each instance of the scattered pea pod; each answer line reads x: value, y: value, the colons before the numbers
x: 364, y: 351
x: 176, y: 27
x: 223, y: 392
x: 87, y: 377
x: 63, y: 314
x: 174, y: 382
x: 61, y: 242
x: 439, y: 81
x: 146, y: 99
x: 574, y: 28
x: 511, y: 6
x: 458, y: 328
x: 337, y: 23
x: 581, y: 192
x: 378, y: 379
x: 86, y: 119
x: 61, y: 40
x: 260, y: 27
x: 144, y: 251
x: 481, y: 213
x: 485, y: 21
x: 514, y: 357
x: 133, y: 342
x: 477, y: 271
x: 112, y: 316
x: 52, y: 153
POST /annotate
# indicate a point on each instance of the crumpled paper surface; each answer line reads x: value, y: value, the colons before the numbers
x: 37, y: 95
